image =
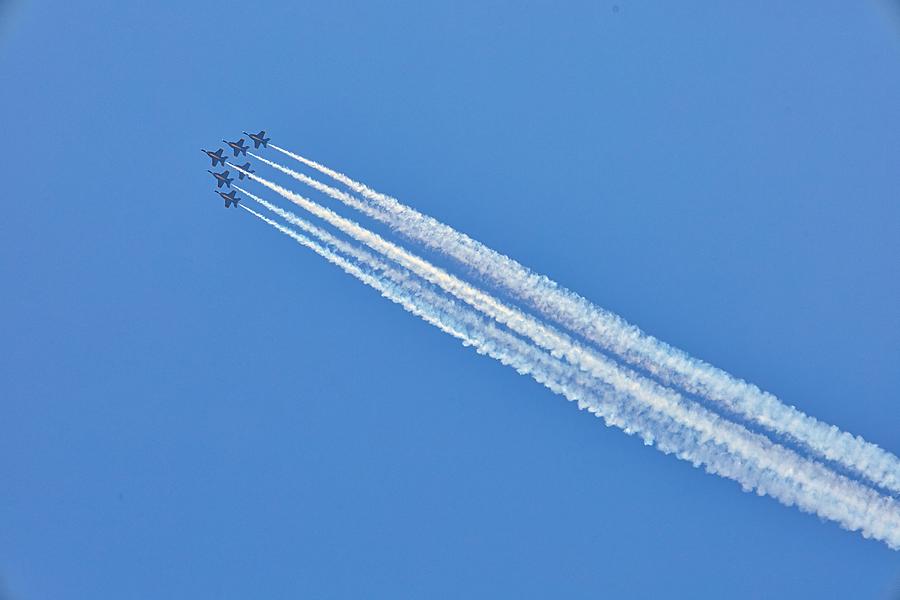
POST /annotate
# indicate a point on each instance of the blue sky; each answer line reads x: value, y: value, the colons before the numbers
x: 193, y: 406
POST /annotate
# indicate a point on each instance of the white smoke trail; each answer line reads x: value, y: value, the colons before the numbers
x: 791, y: 479
x: 351, y: 201
x: 671, y: 365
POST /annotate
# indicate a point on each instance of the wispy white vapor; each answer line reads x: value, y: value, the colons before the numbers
x: 612, y: 333
x: 348, y: 199
x: 754, y: 460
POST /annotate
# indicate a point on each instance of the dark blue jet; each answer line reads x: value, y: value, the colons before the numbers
x: 258, y: 138
x: 215, y: 156
x: 238, y: 146
x: 222, y: 178
x: 245, y: 167
x: 229, y: 198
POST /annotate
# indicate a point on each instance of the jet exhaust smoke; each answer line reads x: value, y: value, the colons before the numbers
x: 676, y: 425
x: 610, y: 332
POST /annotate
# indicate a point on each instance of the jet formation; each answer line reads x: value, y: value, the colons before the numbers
x: 223, y: 179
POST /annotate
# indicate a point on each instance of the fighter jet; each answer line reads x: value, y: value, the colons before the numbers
x: 215, y: 156
x: 221, y: 178
x: 258, y: 138
x: 229, y: 198
x: 245, y: 167
x: 238, y: 146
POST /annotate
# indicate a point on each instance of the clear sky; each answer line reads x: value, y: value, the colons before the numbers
x: 192, y: 406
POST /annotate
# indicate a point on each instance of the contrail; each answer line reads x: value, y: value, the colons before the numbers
x: 348, y: 199
x: 791, y: 479
x: 670, y: 365
x: 653, y: 428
